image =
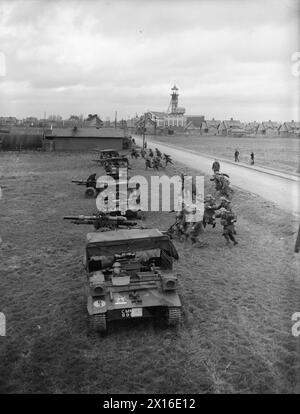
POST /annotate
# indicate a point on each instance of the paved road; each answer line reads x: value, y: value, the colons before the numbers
x: 282, y: 189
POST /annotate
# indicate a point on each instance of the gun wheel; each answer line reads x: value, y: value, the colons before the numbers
x: 173, y: 316
x: 90, y: 192
x: 97, y: 323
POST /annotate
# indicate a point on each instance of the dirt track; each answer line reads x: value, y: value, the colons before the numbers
x: 238, y: 301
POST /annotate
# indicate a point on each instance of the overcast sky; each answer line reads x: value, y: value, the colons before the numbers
x: 228, y: 58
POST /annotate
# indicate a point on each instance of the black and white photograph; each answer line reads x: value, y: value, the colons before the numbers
x: 149, y: 199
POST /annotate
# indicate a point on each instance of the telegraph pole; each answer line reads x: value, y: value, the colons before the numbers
x: 144, y: 131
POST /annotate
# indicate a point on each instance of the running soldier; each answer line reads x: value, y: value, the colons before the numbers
x: 225, y: 203
x: 156, y: 163
x: 148, y: 163
x: 168, y: 159
x: 227, y: 221
x: 209, y: 211
x: 134, y: 153
x: 158, y: 153
x: 216, y: 166
x: 222, y: 184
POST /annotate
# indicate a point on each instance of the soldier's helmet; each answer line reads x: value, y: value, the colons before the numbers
x: 209, y: 197
x: 224, y: 199
x: 223, y: 210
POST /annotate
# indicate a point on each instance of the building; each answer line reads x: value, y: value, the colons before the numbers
x: 175, y: 119
x: 86, y: 138
x: 169, y: 122
x: 132, y: 124
x: 93, y: 121
x: 231, y: 127
x: 193, y: 124
x: 290, y: 129
x: 268, y: 128
x: 147, y: 123
x: 8, y: 121
x: 251, y: 128
x: 210, y: 127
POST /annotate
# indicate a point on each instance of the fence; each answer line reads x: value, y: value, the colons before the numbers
x: 20, y: 141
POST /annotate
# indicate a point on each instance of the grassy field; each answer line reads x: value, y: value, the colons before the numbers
x: 275, y: 152
x: 238, y: 301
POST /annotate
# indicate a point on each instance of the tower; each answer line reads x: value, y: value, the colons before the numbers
x: 174, y: 99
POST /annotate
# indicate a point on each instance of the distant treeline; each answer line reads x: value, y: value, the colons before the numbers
x: 21, y: 140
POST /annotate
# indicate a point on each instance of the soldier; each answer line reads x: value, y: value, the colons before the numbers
x: 222, y: 184
x: 148, y: 163
x: 236, y: 156
x: 168, y: 159
x: 91, y: 181
x: 158, y: 153
x: 209, y: 211
x: 227, y: 221
x: 297, y: 244
x: 182, y: 222
x: 217, y: 179
x: 195, y: 233
x: 143, y: 153
x: 156, y: 163
x: 134, y: 153
x: 216, y: 166
x: 225, y: 188
x: 151, y: 153
x: 225, y: 203
x: 252, y: 158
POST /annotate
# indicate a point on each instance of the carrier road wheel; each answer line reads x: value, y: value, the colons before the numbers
x: 90, y: 192
x: 173, y: 316
x: 97, y: 323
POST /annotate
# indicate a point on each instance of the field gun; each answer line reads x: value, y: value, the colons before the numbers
x: 102, y: 221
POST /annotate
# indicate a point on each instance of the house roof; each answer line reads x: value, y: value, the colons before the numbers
x: 211, y: 123
x: 290, y: 126
x: 270, y: 124
x: 231, y: 123
x: 195, y: 120
x: 159, y: 114
x: 86, y: 132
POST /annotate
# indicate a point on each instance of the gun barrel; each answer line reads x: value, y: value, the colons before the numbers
x: 82, y: 218
x: 117, y: 218
x: 79, y: 182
